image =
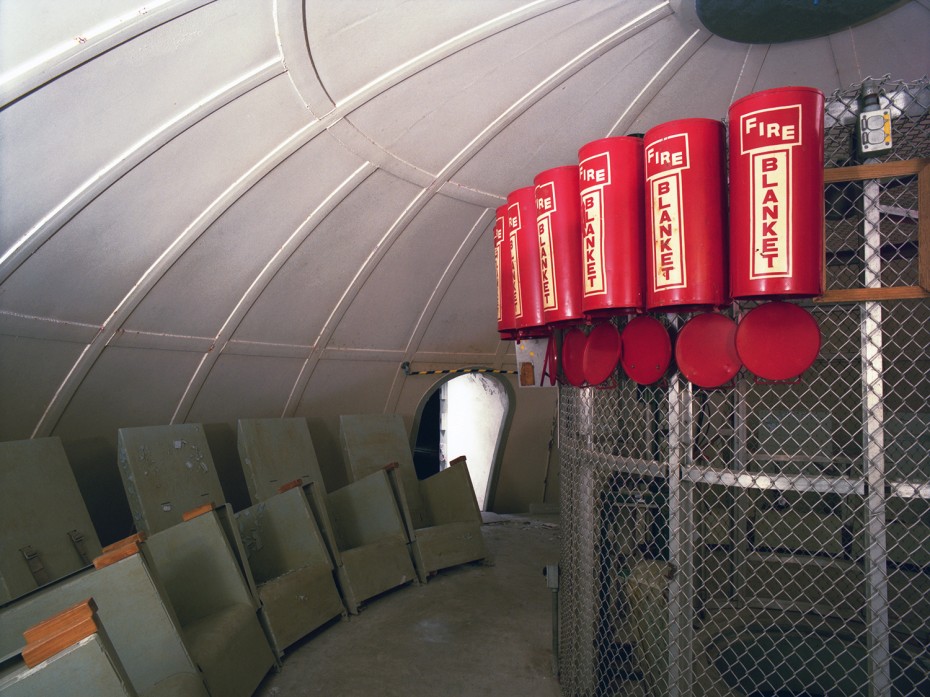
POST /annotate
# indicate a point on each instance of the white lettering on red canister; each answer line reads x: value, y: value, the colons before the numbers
x: 498, y: 251
x: 593, y: 176
x: 513, y: 223
x: 767, y: 138
x: 545, y: 207
x: 665, y: 160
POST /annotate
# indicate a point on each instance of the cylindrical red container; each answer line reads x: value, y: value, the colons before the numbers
x: 776, y: 193
x: 506, y: 325
x: 520, y: 227
x: 610, y: 176
x: 686, y: 221
x: 558, y: 226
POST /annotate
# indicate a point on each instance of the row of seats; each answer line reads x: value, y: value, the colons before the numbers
x: 219, y: 595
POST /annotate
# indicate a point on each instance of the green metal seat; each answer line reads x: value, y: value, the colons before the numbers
x: 215, y: 608
x: 361, y: 522
x: 45, y: 530
x: 441, y: 513
x: 168, y: 470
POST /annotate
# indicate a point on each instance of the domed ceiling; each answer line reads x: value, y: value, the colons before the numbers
x: 222, y: 209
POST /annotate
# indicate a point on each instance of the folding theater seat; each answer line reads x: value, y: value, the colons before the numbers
x: 361, y: 522
x: 167, y: 470
x: 440, y: 512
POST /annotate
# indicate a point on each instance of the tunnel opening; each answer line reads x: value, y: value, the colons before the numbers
x: 463, y: 415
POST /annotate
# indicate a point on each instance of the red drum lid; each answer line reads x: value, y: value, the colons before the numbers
x: 601, y: 353
x: 706, y: 350
x: 573, y: 345
x: 778, y: 340
x: 647, y: 350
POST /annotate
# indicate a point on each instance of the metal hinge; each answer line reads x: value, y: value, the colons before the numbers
x: 77, y: 539
x: 36, y: 567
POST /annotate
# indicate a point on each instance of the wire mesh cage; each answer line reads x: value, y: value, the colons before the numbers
x: 770, y: 539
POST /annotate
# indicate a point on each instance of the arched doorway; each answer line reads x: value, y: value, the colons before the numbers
x: 464, y: 415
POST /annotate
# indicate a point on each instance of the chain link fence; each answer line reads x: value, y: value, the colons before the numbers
x: 769, y: 539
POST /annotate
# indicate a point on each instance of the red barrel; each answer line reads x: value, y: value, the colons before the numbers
x: 520, y: 227
x: 506, y: 325
x: 610, y: 176
x: 686, y: 224
x: 558, y: 225
x: 776, y: 193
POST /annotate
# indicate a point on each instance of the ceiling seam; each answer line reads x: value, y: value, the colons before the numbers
x: 313, y: 93
x: 290, y: 22
x: 126, y: 161
x: 752, y: 66
x: 482, y: 224
x: 68, y: 55
x: 659, y: 80
x: 419, y: 202
x: 260, y: 283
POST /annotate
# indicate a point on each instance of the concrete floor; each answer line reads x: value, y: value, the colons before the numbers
x: 479, y: 629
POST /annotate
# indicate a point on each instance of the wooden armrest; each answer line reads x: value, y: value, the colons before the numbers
x: 57, y: 633
x: 199, y: 511
x: 290, y: 485
x: 138, y: 537
x: 126, y: 549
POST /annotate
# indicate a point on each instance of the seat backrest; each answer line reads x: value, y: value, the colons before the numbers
x: 365, y: 511
x: 198, y: 568
x: 274, y: 452
x: 280, y: 535
x: 45, y: 529
x: 371, y: 441
x: 166, y: 471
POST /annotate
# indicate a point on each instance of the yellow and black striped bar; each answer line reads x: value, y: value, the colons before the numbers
x: 450, y: 371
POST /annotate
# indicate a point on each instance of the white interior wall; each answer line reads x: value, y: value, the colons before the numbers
x: 475, y: 409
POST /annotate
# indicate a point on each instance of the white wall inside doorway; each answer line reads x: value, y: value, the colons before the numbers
x: 472, y: 412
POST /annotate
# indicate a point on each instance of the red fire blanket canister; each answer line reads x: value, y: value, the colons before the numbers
x: 686, y: 219
x: 520, y: 227
x: 506, y: 324
x: 558, y: 226
x: 776, y: 193
x: 610, y: 175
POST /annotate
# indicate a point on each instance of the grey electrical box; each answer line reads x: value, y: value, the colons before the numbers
x: 166, y: 471
x: 45, y: 529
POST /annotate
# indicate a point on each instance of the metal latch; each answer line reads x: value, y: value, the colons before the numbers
x: 77, y: 539
x: 36, y: 567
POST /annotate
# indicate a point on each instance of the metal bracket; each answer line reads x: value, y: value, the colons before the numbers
x: 77, y: 539
x: 36, y: 567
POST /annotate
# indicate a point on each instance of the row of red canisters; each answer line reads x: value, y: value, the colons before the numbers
x: 644, y: 224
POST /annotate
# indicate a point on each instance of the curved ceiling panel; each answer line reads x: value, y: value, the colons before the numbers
x: 296, y: 305
x: 103, y: 252
x: 585, y: 107
x: 52, y: 26
x: 31, y: 369
x: 180, y: 64
x: 151, y: 383
x: 406, y: 277
x: 244, y: 387
x: 439, y: 111
x: 471, y: 291
x: 390, y: 35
